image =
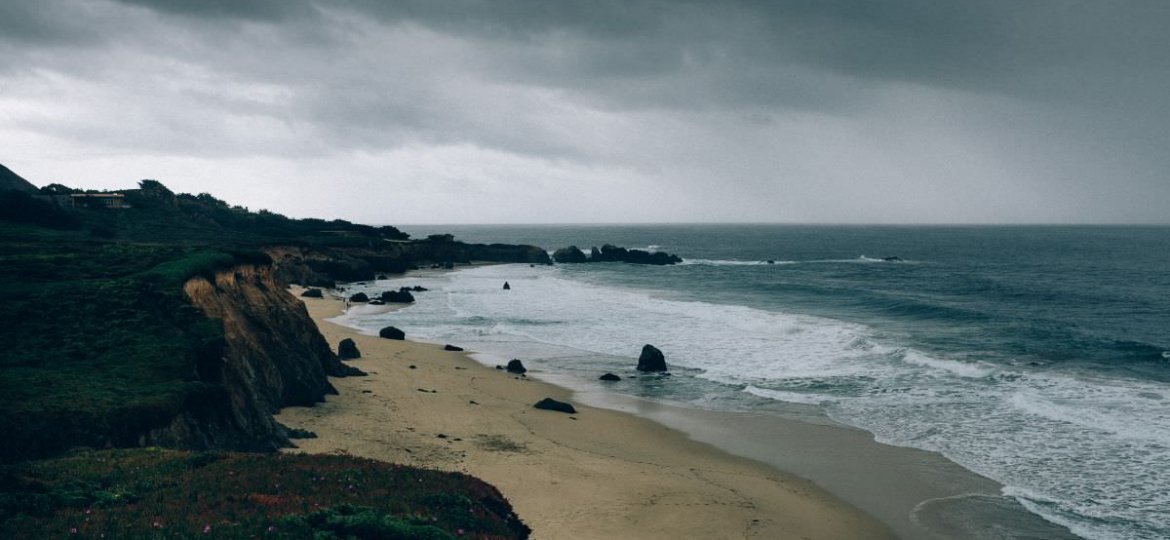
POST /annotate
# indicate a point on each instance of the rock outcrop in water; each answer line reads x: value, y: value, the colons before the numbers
x: 401, y: 296
x: 651, y: 359
x: 571, y: 254
x: 612, y: 253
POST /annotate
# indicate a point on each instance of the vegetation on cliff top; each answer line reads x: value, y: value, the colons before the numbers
x: 153, y: 493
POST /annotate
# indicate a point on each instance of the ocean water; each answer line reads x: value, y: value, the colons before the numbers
x: 1036, y: 356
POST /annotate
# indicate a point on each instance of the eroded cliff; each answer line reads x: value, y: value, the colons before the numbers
x: 272, y: 356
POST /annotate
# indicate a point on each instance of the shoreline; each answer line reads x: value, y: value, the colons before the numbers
x: 600, y: 473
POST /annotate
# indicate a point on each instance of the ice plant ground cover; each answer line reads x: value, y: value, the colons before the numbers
x: 148, y: 493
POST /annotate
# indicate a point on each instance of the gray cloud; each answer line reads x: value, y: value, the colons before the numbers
x: 817, y: 110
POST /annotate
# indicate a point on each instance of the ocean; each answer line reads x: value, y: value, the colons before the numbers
x: 1036, y: 356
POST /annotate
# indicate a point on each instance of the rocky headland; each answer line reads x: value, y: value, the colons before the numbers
x: 612, y: 253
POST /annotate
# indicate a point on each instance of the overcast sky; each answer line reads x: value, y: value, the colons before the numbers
x: 828, y: 111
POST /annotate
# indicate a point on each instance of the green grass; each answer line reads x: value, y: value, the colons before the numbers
x: 152, y: 493
x: 100, y: 343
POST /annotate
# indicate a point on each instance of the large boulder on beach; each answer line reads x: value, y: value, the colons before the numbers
x: 391, y: 332
x: 516, y: 366
x: 452, y: 348
x: 313, y: 293
x: 651, y: 359
x: 359, y: 297
x: 347, y: 350
x: 398, y: 297
x: 571, y: 254
x: 550, y: 404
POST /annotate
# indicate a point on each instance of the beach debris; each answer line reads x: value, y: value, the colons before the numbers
x: 391, y: 332
x: 359, y: 297
x: 401, y: 296
x: 610, y: 377
x: 452, y: 348
x: 651, y: 359
x: 516, y: 366
x: 550, y: 404
x: 473, y: 402
x: 347, y: 350
x: 499, y: 367
x: 412, y: 366
x: 367, y: 391
x: 313, y: 293
x: 507, y: 287
x: 441, y: 436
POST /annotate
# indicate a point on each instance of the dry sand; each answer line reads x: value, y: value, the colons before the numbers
x: 595, y: 474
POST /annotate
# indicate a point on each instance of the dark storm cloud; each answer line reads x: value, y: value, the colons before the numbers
x: 833, y: 101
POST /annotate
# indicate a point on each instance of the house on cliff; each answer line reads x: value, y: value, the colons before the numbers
x: 98, y: 201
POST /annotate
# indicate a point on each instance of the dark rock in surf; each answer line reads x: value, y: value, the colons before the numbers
x: 516, y: 366
x: 347, y: 350
x: 507, y: 287
x: 651, y: 359
x: 571, y: 254
x: 359, y: 297
x: 550, y: 404
x: 610, y: 377
x: 391, y: 332
x: 397, y: 297
x: 452, y: 348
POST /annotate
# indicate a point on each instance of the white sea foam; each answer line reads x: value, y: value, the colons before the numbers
x: 962, y: 369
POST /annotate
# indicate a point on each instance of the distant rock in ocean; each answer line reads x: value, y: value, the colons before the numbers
x: 401, y: 296
x: 609, y: 377
x: 612, y: 253
x: 651, y: 359
x: 571, y: 254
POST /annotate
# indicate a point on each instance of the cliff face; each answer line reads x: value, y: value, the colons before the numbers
x: 274, y: 356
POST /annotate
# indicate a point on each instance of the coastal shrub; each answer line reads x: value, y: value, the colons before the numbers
x: 149, y: 493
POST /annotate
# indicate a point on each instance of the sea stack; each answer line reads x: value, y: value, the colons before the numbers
x: 651, y: 359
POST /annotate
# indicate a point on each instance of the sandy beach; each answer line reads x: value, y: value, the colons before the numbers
x: 594, y: 474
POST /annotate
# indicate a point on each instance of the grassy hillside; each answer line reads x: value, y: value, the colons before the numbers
x: 153, y: 493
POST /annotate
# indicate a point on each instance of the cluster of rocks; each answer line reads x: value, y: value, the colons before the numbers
x: 400, y: 296
x: 612, y: 253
